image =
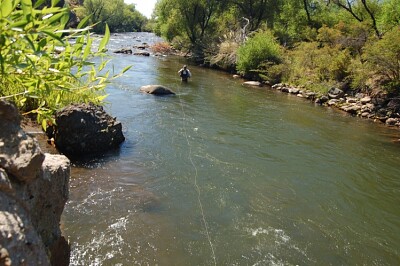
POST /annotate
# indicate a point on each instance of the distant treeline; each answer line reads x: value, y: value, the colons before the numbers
x: 119, y: 17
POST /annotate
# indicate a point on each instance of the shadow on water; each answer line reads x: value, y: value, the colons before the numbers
x: 95, y: 160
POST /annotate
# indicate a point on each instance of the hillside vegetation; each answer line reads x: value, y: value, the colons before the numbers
x: 315, y: 43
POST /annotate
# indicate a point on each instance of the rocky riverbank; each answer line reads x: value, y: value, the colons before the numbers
x: 34, y: 188
x: 379, y: 107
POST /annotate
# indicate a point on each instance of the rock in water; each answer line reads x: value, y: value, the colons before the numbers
x: 253, y: 83
x: 156, y: 90
x: 84, y: 129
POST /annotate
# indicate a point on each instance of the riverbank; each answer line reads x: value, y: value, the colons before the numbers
x: 379, y: 108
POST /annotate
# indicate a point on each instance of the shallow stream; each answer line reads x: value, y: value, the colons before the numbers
x: 223, y: 174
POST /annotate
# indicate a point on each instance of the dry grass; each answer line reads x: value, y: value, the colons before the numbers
x: 162, y: 48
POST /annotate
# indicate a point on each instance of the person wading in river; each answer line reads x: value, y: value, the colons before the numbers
x: 184, y: 73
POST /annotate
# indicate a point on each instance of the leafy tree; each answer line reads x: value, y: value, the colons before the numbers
x: 390, y: 16
x: 362, y: 10
x: 192, y: 20
x: 43, y: 66
x: 258, y: 11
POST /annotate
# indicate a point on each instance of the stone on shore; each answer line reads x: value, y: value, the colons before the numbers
x: 252, y: 83
x: 156, y: 90
x: 20, y: 154
x: 335, y: 93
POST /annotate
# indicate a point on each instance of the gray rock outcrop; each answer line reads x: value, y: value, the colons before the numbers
x: 33, y: 192
x: 156, y: 90
x: 19, y: 153
x: 84, y: 129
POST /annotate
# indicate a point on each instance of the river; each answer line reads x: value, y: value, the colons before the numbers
x: 223, y: 174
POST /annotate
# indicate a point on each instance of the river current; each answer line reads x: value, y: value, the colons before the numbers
x: 222, y: 174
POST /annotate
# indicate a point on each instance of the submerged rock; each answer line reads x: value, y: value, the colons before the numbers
x: 84, y: 129
x: 156, y: 90
x: 123, y: 51
x: 142, y: 53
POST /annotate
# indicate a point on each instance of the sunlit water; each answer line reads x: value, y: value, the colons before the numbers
x: 222, y: 174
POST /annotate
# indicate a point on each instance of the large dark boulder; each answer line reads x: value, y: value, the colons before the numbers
x: 335, y: 93
x: 156, y: 90
x: 394, y: 105
x: 84, y: 129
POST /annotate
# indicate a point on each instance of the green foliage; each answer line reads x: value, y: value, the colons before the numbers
x: 390, y: 16
x: 346, y: 36
x: 44, y: 66
x: 120, y: 17
x: 191, y: 21
x: 258, y: 11
x: 261, y: 48
x: 382, y: 57
x: 359, y: 75
x: 319, y: 65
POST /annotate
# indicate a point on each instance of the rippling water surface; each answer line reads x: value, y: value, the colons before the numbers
x: 221, y: 174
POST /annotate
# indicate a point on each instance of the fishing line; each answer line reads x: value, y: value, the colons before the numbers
x: 195, y: 180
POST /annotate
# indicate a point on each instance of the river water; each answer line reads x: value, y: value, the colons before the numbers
x: 222, y: 174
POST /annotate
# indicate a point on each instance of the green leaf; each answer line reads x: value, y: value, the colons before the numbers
x: 54, y: 2
x: 21, y: 23
x: 30, y: 42
x: 44, y: 124
x: 58, y: 98
x: 126, y: 69
x: 50, y: 10
x: 83, y: 22
x: 87, y: 49
x: 26, y: 6
x: 38, y: 3
x: 104, y: 40
x: 64, y: 19
x: 54, y: 18
x: 101, y: 97
x: 6, y: 8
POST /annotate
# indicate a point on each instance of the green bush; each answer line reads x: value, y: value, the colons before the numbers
x: 261, y: 48
x: 43, y: 66
x: 382, y: 58
x: 310, y: 63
